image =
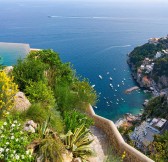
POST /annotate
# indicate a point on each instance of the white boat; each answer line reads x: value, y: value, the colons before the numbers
x: 118, y: 99
x: 118, y: 85
x: 95, y: 107
x: 108, y: 73
x: 111, y: 78
x: 117, y: 103
x: 114, y: 68
x: 93, y: 85
x: 115, y: 90
x: 111, y: 85
x: 105, y: 98
x: 100, y: 77
x: 124, y: 79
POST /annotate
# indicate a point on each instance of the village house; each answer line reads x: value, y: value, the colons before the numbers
x: 153, y: 41
x: 143, y: 135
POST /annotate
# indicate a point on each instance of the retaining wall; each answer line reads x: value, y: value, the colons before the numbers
x: 115, y: 138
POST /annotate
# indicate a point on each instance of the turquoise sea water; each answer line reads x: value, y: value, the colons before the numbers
x: 95, y: 38
x: 10, y: 52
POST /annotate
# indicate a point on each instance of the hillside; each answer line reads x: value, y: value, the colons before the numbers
x: 157, y: 107
x: 149, y: 63
x: 42, y: 110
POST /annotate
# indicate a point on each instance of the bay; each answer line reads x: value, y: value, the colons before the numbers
x: 95, y: 38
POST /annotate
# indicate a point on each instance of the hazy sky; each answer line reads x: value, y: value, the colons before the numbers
x: 98, y: 1
x: 119, y: 1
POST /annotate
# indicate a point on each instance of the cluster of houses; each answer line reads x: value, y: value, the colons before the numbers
x: 143, y: 135
x: 155, y: 41
x: 148, y: 64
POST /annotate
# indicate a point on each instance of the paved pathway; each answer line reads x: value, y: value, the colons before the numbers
x: 99, y: 145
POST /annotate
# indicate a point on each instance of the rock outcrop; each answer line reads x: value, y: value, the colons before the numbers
x: 30, y: 126
x: 8, y: 69
x: 21, y: 102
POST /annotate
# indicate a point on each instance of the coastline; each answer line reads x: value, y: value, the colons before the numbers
x: 35, y: 49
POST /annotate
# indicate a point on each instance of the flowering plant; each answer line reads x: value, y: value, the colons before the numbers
x: 8, y: 89
x: 13, y: 142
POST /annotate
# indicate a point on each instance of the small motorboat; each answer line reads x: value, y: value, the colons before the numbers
x: 100, y: 77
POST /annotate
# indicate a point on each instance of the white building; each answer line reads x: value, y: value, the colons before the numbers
x: 143, y: 135
x: 153, y: 41
x: 158, y: 55
x: 142, y: 67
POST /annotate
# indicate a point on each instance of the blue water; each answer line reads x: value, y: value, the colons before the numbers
x: 11, y: 52
x: 94, y: 37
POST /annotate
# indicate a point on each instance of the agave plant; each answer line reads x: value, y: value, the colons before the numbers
x: 43, y: 130
x: 79, y: 142
x: 48, y: 147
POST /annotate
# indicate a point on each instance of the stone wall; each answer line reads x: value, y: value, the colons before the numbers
x: 116, y: 140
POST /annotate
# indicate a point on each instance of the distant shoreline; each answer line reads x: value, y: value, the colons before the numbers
x: 35, y: 49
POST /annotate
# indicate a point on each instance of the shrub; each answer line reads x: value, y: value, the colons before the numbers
x: 85, y: 93
x: 50, y: 150
x: 13, y: 142
x: 66, y: 99
x: 39, y: 114
x: 48, y: 147
x: 28, y: 71
x: 75, y: 95
x: 74, y: 119
x: 46, y: 56
x: 158, y: 149
x: 8, y: 90
x: 57, y: 71
x: 40, y: 92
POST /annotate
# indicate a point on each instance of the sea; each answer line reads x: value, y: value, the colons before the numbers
x: 95, y: 36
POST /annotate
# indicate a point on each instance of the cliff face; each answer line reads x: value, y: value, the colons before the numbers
x: 142, y: 79
x: 149, y: 64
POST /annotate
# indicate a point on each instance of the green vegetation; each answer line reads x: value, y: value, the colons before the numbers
x: 78, y: 142
x: 161, y: 67
x: 141, y: 52
x: 57, y: 97
x: 157, y: 107
x: 39, y: 114
x: 74, y: 119
x: 159, y: 148
x: 40, y: 92
x: 13, y: 141
x: 147, y: 50
x: 28, y: 71
x: 48, y: 147
x: 113, y: 156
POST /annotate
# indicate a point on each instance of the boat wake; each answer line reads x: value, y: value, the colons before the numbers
x: 124, y: 46
x: 111, y: 47
x: 86, y: 17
